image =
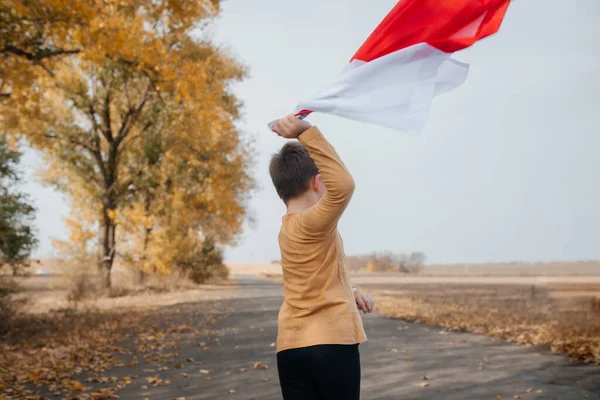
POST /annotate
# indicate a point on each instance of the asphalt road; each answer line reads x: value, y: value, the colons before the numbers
x: 400, y: 361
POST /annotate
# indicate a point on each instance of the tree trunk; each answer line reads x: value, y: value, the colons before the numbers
x: 107, y: 248
x: 147, y: 233
x: 106, y: 276
x: 144, y: 260
x: 141, y: 277
x: 107, y: 224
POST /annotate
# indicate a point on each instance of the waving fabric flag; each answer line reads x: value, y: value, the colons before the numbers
x: 406, y: 61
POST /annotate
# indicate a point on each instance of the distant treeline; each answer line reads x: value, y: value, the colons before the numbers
x: 408, y: 263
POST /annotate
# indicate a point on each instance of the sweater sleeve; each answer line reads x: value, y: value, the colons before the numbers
x: 323, y: 217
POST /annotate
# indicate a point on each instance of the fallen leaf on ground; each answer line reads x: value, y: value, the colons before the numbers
x: 206, y: 371
x: 423, y: 384
x: 55, y: 348
x: 260, y: 366
x: 73, y: 385
x: 505, y: 312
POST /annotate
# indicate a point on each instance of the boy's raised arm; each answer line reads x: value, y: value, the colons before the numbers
x: 324, y: 216
x: 321, y: 218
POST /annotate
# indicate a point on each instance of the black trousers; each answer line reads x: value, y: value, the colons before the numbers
x: 322, y: 372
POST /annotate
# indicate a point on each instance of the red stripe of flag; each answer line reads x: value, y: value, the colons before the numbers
x: 443, y: 24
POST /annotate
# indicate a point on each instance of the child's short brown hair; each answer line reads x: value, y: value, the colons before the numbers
x: 291, y: 170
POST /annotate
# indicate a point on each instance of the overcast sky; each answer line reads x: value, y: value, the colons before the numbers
x: 506, y: 169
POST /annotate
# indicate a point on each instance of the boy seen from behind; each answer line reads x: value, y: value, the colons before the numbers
x: 319, y: 326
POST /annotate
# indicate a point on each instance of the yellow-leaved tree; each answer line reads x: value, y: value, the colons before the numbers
x: 134, y: 115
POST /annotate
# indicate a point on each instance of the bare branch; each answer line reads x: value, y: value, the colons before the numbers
x: 132, y: 116
x: 147, y: 126
x: 48, y: 70
x: 107, y: 132
x: 92, y: 114
x: 39, y: 54
x: 94, y: 151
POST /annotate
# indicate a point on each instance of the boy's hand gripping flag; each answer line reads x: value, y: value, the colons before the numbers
x: 394, y: 76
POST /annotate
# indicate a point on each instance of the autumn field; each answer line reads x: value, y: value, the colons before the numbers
x: 564, y: 318
x: 555, y: 306
x: 554, y: 311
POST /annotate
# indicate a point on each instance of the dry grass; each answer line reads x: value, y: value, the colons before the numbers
x: 564, y: 318
x: 575, y: 268
x: 73, y: 285
x: 48, y: 294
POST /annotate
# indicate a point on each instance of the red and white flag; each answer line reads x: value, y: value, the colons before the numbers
x: 394, y: 76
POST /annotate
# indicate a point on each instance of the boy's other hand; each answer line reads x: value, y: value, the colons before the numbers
x: 290, y: 127
x: 364, y: 302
